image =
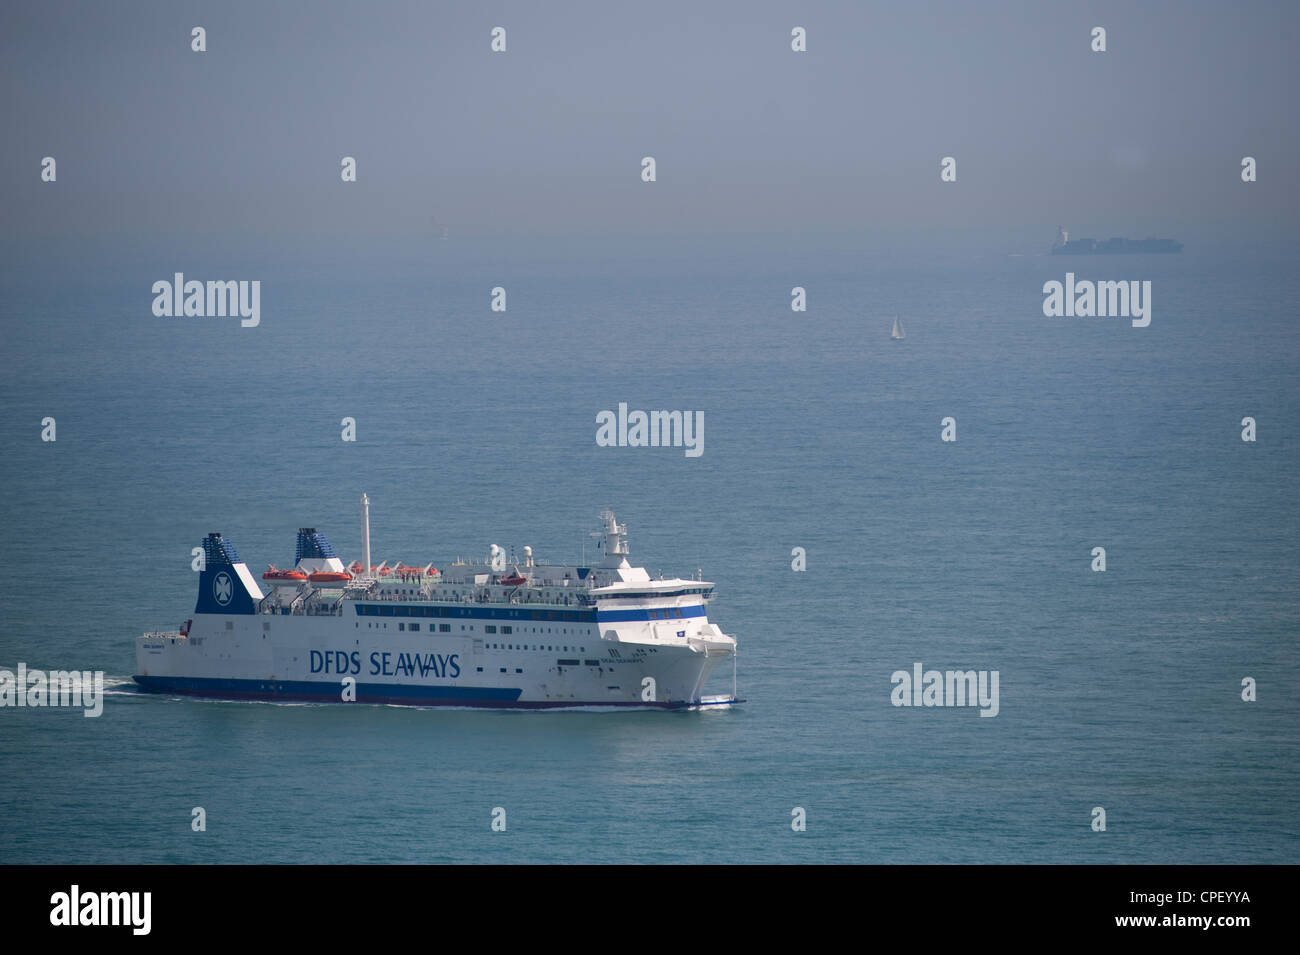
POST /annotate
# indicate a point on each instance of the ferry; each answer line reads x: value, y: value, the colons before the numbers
x: 494, y: 633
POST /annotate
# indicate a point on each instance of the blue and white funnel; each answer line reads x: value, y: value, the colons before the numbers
x: 225, y: 586
x: 315, y: 553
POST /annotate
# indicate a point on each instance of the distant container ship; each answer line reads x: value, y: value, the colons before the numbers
x: 1064, y: 245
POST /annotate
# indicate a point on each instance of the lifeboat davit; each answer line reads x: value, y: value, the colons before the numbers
x: 275, y: 573
x: 328, y: 577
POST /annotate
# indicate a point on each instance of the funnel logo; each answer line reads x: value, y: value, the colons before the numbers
x: 222, y: 588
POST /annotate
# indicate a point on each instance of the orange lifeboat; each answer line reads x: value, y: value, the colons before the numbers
x: 328, y: 577
x: 414, y: 573
x: 274, y: 573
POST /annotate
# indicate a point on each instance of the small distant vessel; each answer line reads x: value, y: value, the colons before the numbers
x: 897, y: 333
x: 1064, y: 245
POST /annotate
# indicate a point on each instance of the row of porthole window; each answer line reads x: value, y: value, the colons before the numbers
x: 446, y: 628
x: 442, y: 627
x: 511, y: 646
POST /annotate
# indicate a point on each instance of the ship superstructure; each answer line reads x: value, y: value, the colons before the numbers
x: 495, y: 633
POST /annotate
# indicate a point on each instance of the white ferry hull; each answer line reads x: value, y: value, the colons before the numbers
x: 308, y: 658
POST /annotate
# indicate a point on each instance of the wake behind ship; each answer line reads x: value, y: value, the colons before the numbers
x: 488, y: 634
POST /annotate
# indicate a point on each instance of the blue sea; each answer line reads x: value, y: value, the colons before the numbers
x: 1119, y: 689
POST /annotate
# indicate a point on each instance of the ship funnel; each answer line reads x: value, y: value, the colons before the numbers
x: 225, y: 586
x: 314, y: 553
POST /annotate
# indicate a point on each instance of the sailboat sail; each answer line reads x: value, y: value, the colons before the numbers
x: 897, y: 333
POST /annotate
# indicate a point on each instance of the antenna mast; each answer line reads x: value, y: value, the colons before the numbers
x: 365, y: 536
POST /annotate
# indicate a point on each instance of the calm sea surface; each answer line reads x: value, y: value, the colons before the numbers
x: 1119, y: 689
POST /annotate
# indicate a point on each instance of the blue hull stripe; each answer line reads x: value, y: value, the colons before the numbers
x: 387, y: 693
x: 615, y: 616
x: 413, y: 694
x: 399, y: 609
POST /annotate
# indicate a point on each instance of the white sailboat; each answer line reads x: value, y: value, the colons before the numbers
x: 897, y: 334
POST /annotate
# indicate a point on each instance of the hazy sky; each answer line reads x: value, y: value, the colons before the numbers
x: 748, y: 135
